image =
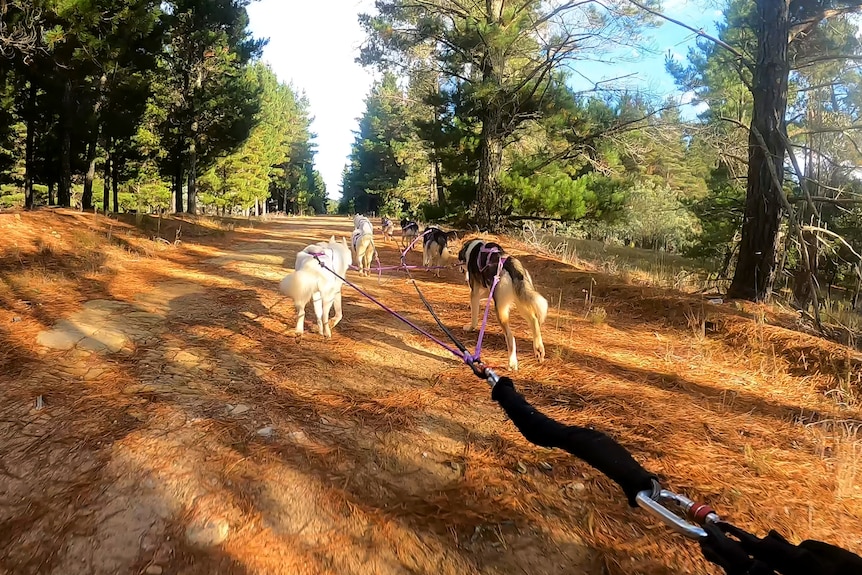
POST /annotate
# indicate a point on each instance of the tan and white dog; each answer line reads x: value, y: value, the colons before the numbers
x: 388, y: 229
x: 311, y: 282
x: 481, y: 260
x: 435, y: 248
x: 362, y: 243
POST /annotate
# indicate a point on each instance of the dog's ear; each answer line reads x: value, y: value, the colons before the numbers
x: 332, y: 239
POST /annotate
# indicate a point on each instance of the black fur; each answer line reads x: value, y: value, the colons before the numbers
x: 408, y: 225
x: 484, y: 265
x: 442, y: 238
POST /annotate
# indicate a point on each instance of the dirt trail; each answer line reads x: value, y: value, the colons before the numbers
x: 182, y: 429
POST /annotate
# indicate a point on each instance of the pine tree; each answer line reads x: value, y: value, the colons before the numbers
x: 499, y: 57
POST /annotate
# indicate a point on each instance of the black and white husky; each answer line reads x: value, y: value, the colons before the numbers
x: 435, y: 247
x: 481, y: 260
x: 409, y: 232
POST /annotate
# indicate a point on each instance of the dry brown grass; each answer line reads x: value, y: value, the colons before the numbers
x: 387, y: 456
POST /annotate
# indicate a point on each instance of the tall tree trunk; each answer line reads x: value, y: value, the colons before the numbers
x: 106, y: 191
x: 115, y: 185
x: 490, y: 166
x: 64, y: 192
x: 193, y: 168
x: 856, y: 294
x: 29, y: 152
x: 87, y: 196
x: 178, y: 187
x: 51, y: 192
x: 193, y: 145
x: 438, y: 183
x: 802, y: 294
x: 309, y: 186
x: 755, y: 269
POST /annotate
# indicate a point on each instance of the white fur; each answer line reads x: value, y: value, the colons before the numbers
x: 362, y: 244
x: 311, y: 282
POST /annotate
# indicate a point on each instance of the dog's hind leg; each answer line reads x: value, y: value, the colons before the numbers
x: 536, y: 329
x: 369, y: 257
x: 318, y: 312
x: 300, y: 318
x: 503, y: 313
x: 336, y: 301
x: 326, y: 304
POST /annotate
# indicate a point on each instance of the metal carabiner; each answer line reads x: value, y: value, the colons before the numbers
x: 491, y: 377
x: 688, y: 524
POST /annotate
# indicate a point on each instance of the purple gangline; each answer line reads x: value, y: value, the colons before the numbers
x: 413, y: 243
x: 464, y: 357
x: 478, y: 353
x: 385, y: 268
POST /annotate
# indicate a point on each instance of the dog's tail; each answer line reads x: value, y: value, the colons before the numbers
x: 525, y: 291
x: 298, y: 286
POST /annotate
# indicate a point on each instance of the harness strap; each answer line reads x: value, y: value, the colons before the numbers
x: 478, y: 352
x: 463, y: 349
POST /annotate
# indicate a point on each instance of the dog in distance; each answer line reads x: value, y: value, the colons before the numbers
x: 409, y: 232
x: 362, y: 243
x: 435, y: 248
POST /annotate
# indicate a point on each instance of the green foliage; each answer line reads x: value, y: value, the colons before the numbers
x: 557, y: 194
x: 377, y: 159
x: 720, y: 216
x: 157, y: 95
x: 498, y: 64
x: 246, y: 176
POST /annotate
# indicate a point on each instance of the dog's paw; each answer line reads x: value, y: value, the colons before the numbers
x: 540, y: 353
x: 469, y: 327
x: 513, y: 364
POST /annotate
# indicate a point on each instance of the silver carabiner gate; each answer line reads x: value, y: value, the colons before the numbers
x: 688, y: 524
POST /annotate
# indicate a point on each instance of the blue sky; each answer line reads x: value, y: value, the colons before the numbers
x: 313, y: 44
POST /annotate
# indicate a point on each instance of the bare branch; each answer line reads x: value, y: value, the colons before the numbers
x: 803, y: 181
x: 698, y: 31
x: 802, y: 28
x: 832, y: 234
x: 825, y: 200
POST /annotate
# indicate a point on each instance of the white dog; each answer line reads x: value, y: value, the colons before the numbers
x: 363, y: 243
x: 310, y: 281
x: 515, y: 286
